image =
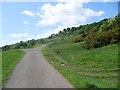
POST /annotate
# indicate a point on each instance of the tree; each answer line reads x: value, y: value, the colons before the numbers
x: 5, y: 47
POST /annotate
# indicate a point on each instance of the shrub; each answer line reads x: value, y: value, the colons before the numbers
x: 78, y: 39
x: 102, y: 39
x: 90, y: 86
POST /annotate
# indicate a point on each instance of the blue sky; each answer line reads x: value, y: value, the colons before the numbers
x: 34, y: 20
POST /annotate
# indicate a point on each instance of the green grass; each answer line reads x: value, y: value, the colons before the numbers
x: 9, y: 60
x: 84, y: 67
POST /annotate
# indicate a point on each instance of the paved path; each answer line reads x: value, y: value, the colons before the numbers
x: 34, y: 71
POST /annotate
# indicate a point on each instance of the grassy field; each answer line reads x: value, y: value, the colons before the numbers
x: 9, y: 59
x: 84, y: 68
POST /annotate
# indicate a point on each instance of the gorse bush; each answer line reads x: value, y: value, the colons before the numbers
x: 98, y: 40
x: 78, y: 39
x: 109, y: 33
x: 94, y: 35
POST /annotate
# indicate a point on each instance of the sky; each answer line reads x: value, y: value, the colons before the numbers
x: 22, y: 21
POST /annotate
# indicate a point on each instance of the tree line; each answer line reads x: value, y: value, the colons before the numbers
x: 28, y: 44
x: 94, y: 35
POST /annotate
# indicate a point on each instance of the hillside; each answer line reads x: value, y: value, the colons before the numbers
x: 94, y: 35
x: 93, y: 68
x: 104, y: 32
x: 87, y: 55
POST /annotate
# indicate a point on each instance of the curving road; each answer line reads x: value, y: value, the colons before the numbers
x: 33, y: 71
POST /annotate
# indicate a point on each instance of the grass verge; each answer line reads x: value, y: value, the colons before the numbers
x: 83, y: 68
x: 9, y: 60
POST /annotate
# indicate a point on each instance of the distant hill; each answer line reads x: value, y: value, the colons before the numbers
x: 28, y: 44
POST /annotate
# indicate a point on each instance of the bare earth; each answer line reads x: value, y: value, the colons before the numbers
x: 33, y: 71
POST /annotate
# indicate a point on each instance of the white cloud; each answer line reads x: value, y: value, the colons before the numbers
x: 16, y: 41
x: 47, y: 33
x: 90, y: 13
x: 2, y: 42
x: 22, y: 35
x: 8, y: 42
x: 25, y: 22
x: 68, y: 13
x: 28, y: 13
x: 16, y: 38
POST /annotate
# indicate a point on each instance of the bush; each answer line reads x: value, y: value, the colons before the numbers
x: 78, y: 39
x: 99, y: 40
x: 91, y: 86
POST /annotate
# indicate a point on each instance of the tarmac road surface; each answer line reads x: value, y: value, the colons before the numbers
x: 33, y: 71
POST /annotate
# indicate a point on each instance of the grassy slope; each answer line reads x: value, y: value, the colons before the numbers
x: 84, y: 67
x: 9, y: 60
